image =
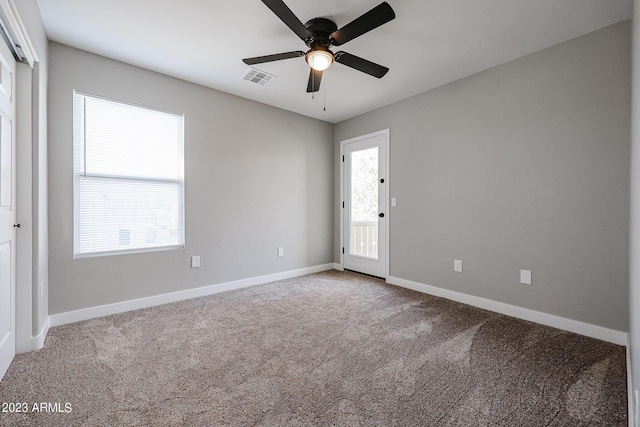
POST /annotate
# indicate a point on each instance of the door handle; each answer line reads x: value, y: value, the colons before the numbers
x: 381, y: 215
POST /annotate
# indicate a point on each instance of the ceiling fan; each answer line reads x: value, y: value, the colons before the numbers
x: 320, y: 34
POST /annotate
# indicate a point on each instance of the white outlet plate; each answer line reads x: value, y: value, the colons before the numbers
x: 280, y: 251
x: 525, y: 277
x: 195, y: 261
x: 393, y: 202
x: 457, y: 265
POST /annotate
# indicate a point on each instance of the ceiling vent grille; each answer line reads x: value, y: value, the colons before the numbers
x: 258, y: 77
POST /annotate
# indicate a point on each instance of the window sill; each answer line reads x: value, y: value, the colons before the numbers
x: 129, y: 251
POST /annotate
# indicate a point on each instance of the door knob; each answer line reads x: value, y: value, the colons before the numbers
x: 381, y: 215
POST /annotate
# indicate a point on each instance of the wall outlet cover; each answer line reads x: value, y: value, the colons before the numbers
x: 280, y: 251
x: 457, y: 265
x: 195, y: 261
x: 525, y: 277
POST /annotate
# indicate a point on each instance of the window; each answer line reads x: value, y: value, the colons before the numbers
x: 128, y: 172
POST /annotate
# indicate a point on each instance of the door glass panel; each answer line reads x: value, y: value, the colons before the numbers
x: 364, y: 203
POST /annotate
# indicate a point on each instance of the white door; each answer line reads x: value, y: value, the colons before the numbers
x: 365, y: 183
x: 7, y: 209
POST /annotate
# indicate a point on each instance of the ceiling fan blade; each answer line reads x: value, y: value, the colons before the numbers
x: 361, y: 64
x: 276, y: 57
x: 377, y: 16
x: 286, y: 15
x: 314, y: 80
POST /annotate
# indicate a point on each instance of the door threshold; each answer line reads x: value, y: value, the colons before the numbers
x: 365, y: 274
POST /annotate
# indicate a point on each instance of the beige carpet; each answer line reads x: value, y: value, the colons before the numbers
x: 326, y: 349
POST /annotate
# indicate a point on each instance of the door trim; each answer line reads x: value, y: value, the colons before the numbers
x: 29, y: 335
x: 385, y: 203
x: 16, y: 35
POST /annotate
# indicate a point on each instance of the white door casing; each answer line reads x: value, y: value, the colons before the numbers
x: 7, y: 208
x: 364, y: 213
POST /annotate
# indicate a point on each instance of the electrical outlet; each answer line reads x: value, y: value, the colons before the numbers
x: 457, y: 265
x: 280, y: 251
x: 195, y: 261
x: 525, y: 277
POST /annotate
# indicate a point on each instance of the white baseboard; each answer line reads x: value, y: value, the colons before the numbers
x: 635, y: 417
x: 33, y: 343
x: 37, y: 342
x: 338, y: 266
x: 593, y: 331
x: 598, y: 332
x: 630, y: 393
x: 121, y: 307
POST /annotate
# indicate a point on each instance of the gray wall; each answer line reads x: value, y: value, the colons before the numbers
x: 634, y: 234
x: 256, y: 178
x: 523, y: 166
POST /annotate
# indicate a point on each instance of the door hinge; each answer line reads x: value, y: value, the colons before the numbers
x: 342, y: 205
x: 343, y: 159
x: 343, y: 249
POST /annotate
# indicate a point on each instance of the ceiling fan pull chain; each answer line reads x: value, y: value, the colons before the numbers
x: 324, y: 107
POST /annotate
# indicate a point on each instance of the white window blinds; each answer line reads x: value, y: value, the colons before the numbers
x: 128, y: 177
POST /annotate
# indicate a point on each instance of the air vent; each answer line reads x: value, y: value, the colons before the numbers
x: 258, y: 77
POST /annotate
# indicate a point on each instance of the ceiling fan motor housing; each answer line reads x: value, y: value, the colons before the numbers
x: 321, y: 29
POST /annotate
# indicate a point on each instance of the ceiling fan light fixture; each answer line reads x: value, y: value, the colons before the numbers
x: 321, y: 34
x: 319, y: 59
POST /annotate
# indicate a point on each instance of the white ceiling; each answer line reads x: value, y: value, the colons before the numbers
x: 429, y: 44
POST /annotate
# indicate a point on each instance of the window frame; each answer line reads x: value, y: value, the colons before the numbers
x: 77, y: 174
